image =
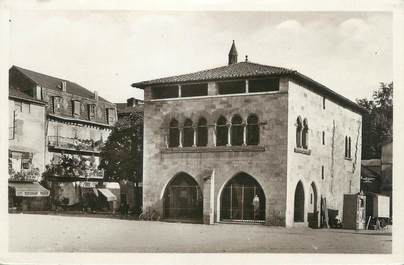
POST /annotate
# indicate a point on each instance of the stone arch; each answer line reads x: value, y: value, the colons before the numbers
x: 253, y: 129
x: 237, y: 130
x: 188, y: 133
x: 299, y: 129
x: 237, y: 199
x: 299, y: 197
x: 182, y: 198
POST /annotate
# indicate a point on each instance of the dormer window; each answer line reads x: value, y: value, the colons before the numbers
x: 57, y: 104
x: 91, y: 112
x: 111, y: 116
x: 76, y: 108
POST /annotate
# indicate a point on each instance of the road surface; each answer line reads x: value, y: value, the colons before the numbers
x: 54, y: 233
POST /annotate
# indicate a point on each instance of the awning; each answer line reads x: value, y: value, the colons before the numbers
x: 29, y: 189
x: 108, y: 194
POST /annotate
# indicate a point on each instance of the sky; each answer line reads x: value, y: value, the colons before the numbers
x: 107, y: 51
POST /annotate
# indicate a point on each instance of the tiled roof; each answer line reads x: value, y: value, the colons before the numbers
x: 123, y: 108
x: 15, y: 93
x: 232, y: 71
x: 248, y: 69
x: 54, y: 83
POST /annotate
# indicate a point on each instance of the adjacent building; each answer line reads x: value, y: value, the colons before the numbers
x: 248, y: 142
x: 26, y: 151
x: 75, y: 123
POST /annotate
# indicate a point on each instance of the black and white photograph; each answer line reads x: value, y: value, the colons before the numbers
x: 199, y: 131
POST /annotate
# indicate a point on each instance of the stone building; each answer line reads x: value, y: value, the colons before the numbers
x: 248, y: 142
x: 77, y: 122
x: 26, y: 158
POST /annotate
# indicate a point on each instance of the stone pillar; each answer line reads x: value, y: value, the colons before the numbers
x: 283, y: 84
x: 181, y: 136
x: 147, y: 93
x: 244, y: 134
x: 212, y: 131
x: 228, y: 134
x: 212, y: 89
x: 179, y: 91
x: 208, y: 198
x: 195, y: 128
x: 246, y: 86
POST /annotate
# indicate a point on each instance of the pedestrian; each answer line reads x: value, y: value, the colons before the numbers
x: 256, y: 205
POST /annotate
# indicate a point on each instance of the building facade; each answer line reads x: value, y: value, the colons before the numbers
x: 26, y: 159
x: 77, y: 122
x: 248, y: 142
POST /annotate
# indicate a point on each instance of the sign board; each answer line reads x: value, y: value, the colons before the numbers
x: 44, y: 193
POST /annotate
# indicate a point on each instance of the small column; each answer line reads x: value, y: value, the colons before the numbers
x: 195, y: 135
x: 228, y: 134
x: 244, y: 134
x: 246, y: 86
x: 181, y: 136
x: 179, y: 91
x: 214, y: 134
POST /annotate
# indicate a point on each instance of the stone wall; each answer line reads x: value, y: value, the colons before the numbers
x: 341, y: 176
x: 267, y: 166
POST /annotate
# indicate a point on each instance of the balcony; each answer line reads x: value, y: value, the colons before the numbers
x: 31, y: 175
x: 75, y: 144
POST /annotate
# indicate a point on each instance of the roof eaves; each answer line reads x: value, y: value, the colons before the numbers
x: 28, y: 99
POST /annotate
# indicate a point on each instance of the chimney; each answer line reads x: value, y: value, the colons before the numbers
x: 63, y: 85
x: 95, y: 95
x: 233, y: 54
x: 131, y: 102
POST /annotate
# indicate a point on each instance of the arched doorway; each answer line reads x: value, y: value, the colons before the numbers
x: 242, y: 199
x: 299, y: 203
x: 312, y: 215
x: 183, y: 199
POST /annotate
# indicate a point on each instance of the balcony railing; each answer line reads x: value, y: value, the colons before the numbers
x: 75, y: 144
x: 24, y: 175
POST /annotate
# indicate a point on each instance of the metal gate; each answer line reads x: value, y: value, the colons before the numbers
x: 237, y: 203
x: 183, y: 202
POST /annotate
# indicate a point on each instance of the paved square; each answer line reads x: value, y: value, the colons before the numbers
x: 53, y: 233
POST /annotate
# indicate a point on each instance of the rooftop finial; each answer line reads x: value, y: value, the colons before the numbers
x: 246, y: 57
x: 233, y: 54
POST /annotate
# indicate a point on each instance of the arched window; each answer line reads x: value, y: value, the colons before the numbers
x: 253, y: 130
x: 305, y: 134
x: 221, y: 131
x: 237, y: 130
x: 299, y: 127
x: 188, y: 133
x: 202, y: 139
x: 174, y: 134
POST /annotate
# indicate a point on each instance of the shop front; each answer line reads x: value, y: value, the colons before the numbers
x: 27, y: 196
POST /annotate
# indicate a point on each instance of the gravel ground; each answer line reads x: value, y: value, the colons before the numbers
x: 52, y: 233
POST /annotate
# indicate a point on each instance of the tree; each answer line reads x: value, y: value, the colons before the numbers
x: 122, y: 155
x: 377, y: 127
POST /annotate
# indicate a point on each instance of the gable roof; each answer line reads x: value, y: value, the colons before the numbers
x: 248, y: 69
x: 54, y: 83
x: 232, y: 71
x: 18, y: 94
